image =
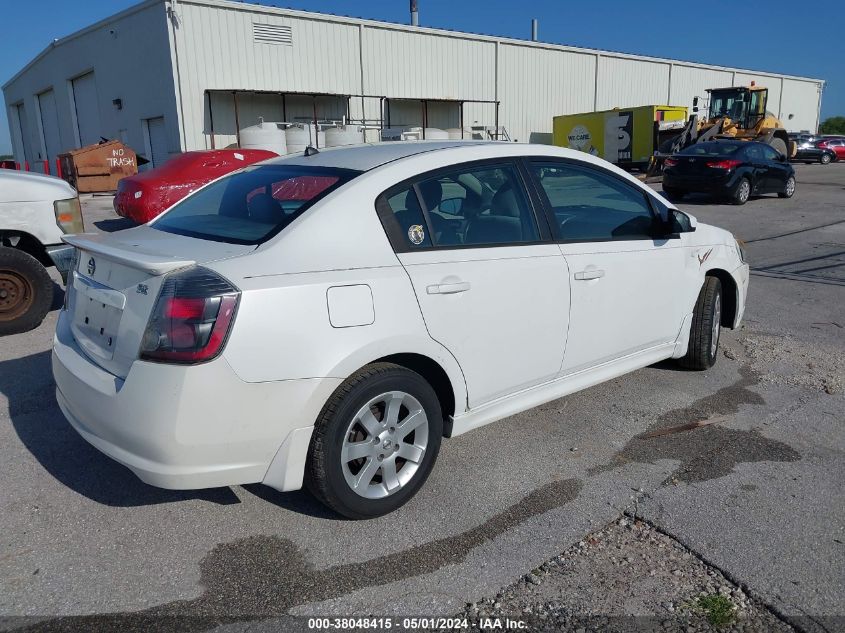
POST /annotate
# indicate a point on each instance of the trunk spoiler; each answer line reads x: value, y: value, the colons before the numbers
x: 128, y: 254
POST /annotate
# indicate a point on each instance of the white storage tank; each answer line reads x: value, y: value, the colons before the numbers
x: 431, y: 133
x: 344, y: 135
x: 266, y: 135
x: 455, y: 133
x: 301, y: 135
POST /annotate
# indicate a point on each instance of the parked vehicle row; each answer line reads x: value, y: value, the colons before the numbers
x: 812, y: 148
x: 326, y: 319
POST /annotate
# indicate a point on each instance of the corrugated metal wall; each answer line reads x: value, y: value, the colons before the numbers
x: 533, y: 82
x: 624, y: 83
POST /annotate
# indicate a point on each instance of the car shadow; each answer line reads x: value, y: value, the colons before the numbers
x: 115, y: 224
x: 300, y: 501
x: 28, y: 385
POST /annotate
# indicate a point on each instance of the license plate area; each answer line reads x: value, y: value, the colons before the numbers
x: 97, y: 314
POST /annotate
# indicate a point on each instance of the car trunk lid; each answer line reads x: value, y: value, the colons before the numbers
x: 114, y: 285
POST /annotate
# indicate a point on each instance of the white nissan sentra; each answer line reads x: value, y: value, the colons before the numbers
x: 327, y: 318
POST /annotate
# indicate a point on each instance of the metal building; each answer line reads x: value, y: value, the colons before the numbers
x: 173, y: 75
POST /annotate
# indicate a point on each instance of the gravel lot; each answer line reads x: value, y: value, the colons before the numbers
x: 751, y: 502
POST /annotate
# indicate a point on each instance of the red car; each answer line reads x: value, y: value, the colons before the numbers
x: 143, y: 196
x: 836, y: 145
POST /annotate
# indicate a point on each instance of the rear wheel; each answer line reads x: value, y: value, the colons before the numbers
x: 26, y: 291
x: 742, y: 192
x: 788, y: 188
x: 375, y: 442
x: 706, y: 327
x: 824, y: 159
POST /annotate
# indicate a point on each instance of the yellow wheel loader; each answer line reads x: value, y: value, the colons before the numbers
x: 735, y: 113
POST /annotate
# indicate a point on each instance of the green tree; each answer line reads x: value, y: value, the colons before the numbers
x: 833, y: 125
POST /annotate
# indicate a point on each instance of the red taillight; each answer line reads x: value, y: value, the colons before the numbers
x: 191, y: 319
x: 728, y: 163
x: 671, y: 162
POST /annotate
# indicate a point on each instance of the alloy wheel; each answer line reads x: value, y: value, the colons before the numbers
x: 384, y: 445
x: 717, y: 319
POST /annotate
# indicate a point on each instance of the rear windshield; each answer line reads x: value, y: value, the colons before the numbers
x: 711, y: 149
x: 252, y: 206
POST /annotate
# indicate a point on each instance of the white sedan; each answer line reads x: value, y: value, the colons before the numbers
x: 327, y: 318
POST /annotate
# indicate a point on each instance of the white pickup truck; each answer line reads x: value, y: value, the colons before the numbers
x: 35, y: 211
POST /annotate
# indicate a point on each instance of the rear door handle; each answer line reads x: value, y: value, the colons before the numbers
x: 448, y: 289
x: 593, y: 273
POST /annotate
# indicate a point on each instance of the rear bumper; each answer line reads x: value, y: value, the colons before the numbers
x: 181, y: 427
x: 720, y: 185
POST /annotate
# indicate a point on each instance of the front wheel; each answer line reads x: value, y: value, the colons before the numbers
x: 788, y: 188
x: 706, y: 327
x: 824, y: 159
x: 26, y: 291
x: 375, y: 442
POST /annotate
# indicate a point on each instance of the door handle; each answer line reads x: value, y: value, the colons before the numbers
x: 448, y: 289
x: 593, y: 273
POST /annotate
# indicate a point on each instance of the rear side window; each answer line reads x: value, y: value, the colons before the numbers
x: 251, y: 206
x: 589, y: 205
x: 711, y: 148
x: 472, y: 206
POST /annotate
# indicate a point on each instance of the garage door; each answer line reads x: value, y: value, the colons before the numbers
x: 87, y: 109
x: 50, y: 126
x: 157, y: 136
x: 26, y: 139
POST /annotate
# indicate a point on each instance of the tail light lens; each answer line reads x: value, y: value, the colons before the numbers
x: 69, y: 215
x: 671, y: 162
x: 728, y: 163
x: 191, y: 319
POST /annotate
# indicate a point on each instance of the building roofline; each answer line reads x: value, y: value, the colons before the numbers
x: 327, y: 17
x: 93, y: 27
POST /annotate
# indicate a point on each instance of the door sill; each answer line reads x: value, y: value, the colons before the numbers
x: 554, y: 389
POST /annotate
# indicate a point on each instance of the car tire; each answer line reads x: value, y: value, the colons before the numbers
x: 788, y: 188
x: 674, y: 195
x: 358, y: 419
x: 705, y: 329
x: 742, y: 192
x: 26, y: 291
x: 824, y: 159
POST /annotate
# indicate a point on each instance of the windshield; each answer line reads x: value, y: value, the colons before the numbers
x: 728, y: 103
x: 711, y: 148
x: 251, y: 206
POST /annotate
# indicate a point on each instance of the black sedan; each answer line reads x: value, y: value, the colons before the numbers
x: 727, y: 169
x: 809, y: 151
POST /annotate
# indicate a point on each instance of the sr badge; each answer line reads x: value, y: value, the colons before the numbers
x: 416, y: 234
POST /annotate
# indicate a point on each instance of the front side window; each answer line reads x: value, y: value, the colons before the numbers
x: 480, y: 205
x: 251, y: 206
x: 589, y: 205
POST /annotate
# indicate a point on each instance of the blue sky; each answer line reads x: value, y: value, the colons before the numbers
x: 798, y: 38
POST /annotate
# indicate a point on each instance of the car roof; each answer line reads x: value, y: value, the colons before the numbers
x: 368, y: 156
